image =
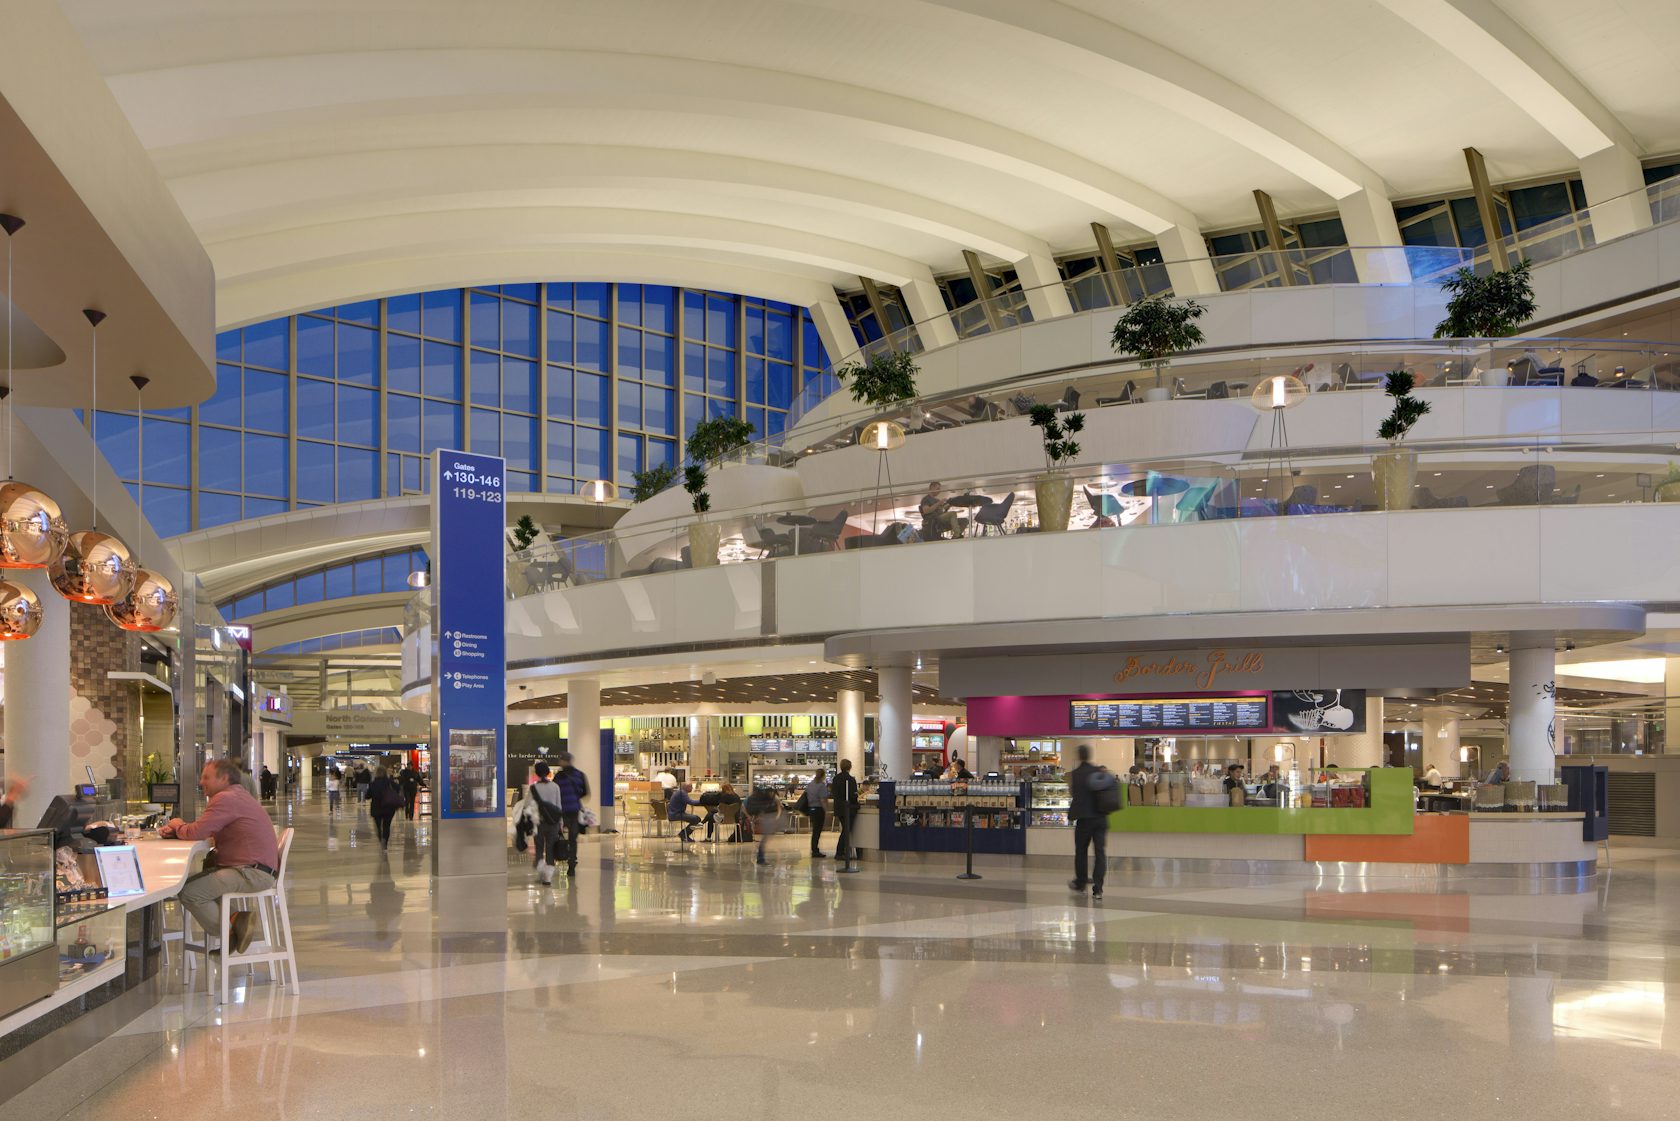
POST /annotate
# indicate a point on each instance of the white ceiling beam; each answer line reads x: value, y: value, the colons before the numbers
x: 488, y: 230
x: 239, y: 100
x: 1494, y: 46
x: 250, y: 198
x: 257, y: 299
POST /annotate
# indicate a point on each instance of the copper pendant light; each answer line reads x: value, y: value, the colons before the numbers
x: 20, y: 611
x: 32, y: 530
x: 152, y: 603
x: 95, y: 567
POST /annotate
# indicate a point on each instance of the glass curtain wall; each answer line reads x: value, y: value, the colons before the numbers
x: 568, y: 382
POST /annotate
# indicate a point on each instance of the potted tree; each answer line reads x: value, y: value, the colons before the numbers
x: 1395, y: 470
x: 525, y: 531
x: 711, y: 440
x: 885, y: 379
x: 1487, y: 307
x: 653, y: 481
x: 1154, y: 330
x: 1054, y: 488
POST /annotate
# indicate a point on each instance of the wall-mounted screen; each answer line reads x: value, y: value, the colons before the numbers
x: 1170, y: 716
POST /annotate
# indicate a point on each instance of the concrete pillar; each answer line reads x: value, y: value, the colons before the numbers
x: 892, y: 726
x: 1671, y: 703
x: 583, y: 739
x: 38, y: 702
x: 927, y: 310
x: 1369, y: 223
x: 1186, y: 258
x: 1441, y: 743
x: 1364, y: 749
x: 987, y: 752
x: 1615, y: 187
x: 1533, y: 709
x: 1041, y: 283
x: 849, y: 732
x: 835, y: 330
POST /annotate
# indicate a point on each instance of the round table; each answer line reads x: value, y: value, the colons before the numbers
x: 797, y: 522
x: 971, y: 503
x: 1154, y: 487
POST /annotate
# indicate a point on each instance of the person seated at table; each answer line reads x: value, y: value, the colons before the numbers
x: 726, y: 796
x: 677, y: 810
x: 246, y: 856
x: 938, y: 519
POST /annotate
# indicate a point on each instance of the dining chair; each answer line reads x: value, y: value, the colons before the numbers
x: 1103, y: 504
x: 992, y: 517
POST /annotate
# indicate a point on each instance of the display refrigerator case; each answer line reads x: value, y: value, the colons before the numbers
x: 28, y: 914
x: 1050, y: 803
x: 89, y: 936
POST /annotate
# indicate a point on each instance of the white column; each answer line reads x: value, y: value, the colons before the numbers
x: 1615, y: 187
x: 1441, y: 742
x: 1364, y: 749
x: 38, y: 702
x: 1368, y: 221
x: 928, y: 311
x: 1533, y: 709
x: 1041, y: 283
x: 835, y: 330
x: 892, y: 726
x: 583, y: 739
x: 849, y: 733
x: 1186, y: 257
x: 987, y: 752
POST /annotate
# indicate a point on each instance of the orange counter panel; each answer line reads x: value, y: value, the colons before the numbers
x: 1435, y: 839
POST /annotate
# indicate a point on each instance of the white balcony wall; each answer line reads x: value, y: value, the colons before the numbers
x: 1421, y: 558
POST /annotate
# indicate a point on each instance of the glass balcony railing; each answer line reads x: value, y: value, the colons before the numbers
x: 1262, y: 268
x: 1280, y: 482
x: 1547, y: 362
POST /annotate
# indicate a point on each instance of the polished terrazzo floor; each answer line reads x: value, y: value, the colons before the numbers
x: 690, y: 983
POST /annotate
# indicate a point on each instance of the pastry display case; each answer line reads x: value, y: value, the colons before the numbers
x: 28, y: 961
x: 1050, y: 802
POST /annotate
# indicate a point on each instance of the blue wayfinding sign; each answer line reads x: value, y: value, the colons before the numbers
x: 469, y: 579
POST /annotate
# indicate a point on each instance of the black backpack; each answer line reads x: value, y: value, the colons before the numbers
x: 1105, y: 791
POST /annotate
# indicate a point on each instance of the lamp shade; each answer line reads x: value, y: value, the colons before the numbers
x: 94, y: 568
x: 32, y: 529
x: 881, y: 436
x: 20, y: 611
x: 151, y: 606
x: 1280, y: 391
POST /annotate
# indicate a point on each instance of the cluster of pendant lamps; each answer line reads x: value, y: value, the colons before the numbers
x: 91, y: 567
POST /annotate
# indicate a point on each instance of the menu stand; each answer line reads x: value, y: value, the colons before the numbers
x: 968, y: 872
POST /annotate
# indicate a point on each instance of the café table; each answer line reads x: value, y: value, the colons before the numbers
x: 1155, y: 487
x: 971, y: 503
x: 797, y: 522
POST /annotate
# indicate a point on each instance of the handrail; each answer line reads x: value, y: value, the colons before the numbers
x: 1259, y: 268
x: 1433, y: 360
x: 1519, y: 470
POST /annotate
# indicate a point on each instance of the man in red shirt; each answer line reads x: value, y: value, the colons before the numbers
x: 246, y: 856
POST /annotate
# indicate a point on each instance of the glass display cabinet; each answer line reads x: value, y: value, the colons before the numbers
x: 28, y: 909
x: 1050, y: 803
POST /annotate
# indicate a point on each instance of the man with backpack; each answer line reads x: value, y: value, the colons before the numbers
x: 1095, y: 794
x: 542, y: 810
x: 573, y: 785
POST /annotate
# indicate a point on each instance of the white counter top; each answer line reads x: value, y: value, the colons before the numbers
x: 164, y: 867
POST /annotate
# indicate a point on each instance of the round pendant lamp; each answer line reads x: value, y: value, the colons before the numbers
x: 95, y: 567
x: 20, y: 611
x: 32, y: 529
x: 151, y: 604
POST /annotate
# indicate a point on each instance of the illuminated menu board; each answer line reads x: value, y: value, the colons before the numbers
x: 1168, y: 716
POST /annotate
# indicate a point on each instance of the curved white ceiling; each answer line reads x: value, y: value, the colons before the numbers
x: 326, y: 149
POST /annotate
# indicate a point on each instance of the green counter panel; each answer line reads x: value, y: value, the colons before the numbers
x: 1390, y: 812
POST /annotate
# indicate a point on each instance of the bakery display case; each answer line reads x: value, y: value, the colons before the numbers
x: 28, y: 962
x: 1049, y: 803
x: 89, y: 935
